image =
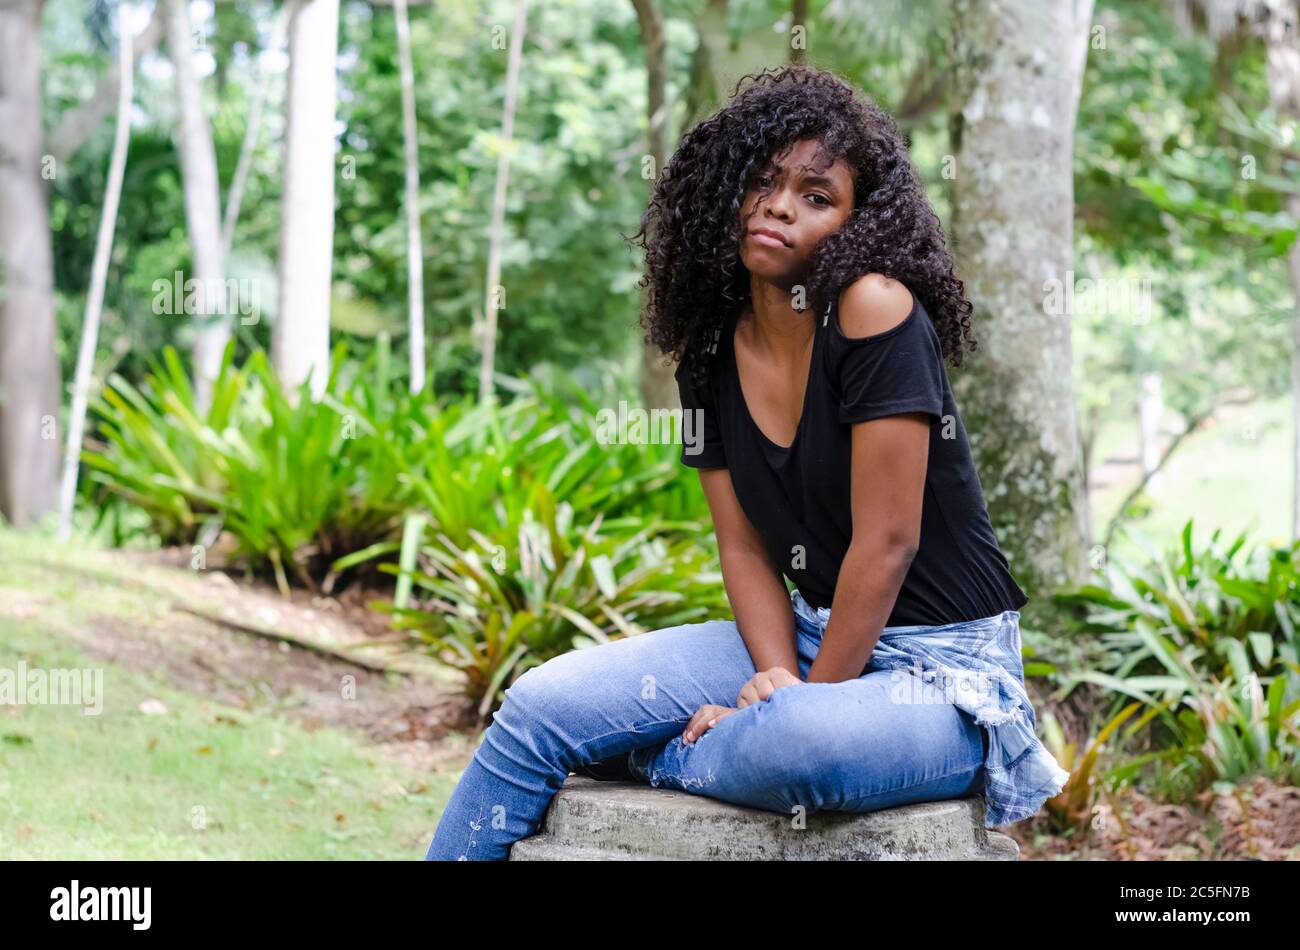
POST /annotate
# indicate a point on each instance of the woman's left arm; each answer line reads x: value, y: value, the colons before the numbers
x: 889, y: 459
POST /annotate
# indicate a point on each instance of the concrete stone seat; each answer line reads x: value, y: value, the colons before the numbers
x: 592, y: 820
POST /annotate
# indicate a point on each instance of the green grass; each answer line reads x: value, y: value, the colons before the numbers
x: 1232, y: 475
x: 201, y: 781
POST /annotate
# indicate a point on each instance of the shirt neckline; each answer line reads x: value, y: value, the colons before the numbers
x: 807, y: 389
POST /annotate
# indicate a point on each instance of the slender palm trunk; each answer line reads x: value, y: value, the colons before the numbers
x: 414, y: 254
x: 98, y: 278
x: 202, y: 203
x: 493, y: 297
x: 235, y: 199
x: 300, y: 338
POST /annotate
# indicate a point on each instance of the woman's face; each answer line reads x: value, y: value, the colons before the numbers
x: 805, y: 204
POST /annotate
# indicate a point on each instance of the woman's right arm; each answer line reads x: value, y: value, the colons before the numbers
x: 759, y: 598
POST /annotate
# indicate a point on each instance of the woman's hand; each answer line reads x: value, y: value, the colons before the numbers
x: 704, y: 719
x: 760, y: 687
x: 763, y: 684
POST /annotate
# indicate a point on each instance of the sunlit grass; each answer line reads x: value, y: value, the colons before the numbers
x: 198, y: 781
x: 1235, y: 475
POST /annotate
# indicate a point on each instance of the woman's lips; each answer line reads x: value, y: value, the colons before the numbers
x: 767, y: 238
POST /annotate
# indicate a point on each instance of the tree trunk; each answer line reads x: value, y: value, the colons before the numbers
x: 1151, y: 409
x: 798, y: 21
x: 718, y: 63
x: 414, y: 254
x: 248, y: 147
x: 202, y: 203
x: 29, y: 369
x: 658, y: 388
x: 98, y: 278
x: 486, y: 390
x: 1014, y: 64
x: 300, y: 338
x: 1293, y: 264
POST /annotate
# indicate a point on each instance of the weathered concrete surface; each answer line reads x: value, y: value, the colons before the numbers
x: 591, y: 820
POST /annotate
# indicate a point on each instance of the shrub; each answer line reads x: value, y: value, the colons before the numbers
x: 295, y: 482
x: 1209, y: 647
x: 538, y: 585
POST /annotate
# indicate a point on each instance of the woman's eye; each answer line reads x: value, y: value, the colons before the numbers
x: 822, y: 197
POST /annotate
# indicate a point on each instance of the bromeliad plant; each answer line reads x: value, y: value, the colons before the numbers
x: 159, y: 454
x: 296, y: 482
x: 540, y: 536
x: 1221, y: 611
x: 545, y: 582
x: 308, y: 484
x: 467, y: 465
x: 1223, y: 728
x: 1210, y: 649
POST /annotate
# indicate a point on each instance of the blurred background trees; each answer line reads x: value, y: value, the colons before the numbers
x: 270, y: 154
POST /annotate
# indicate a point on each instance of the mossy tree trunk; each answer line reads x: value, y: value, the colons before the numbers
x: 1017, y: 66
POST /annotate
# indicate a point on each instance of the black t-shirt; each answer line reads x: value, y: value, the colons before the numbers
x: 798, y: 499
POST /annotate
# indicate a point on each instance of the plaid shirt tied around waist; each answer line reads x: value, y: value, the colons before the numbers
x: 978, y: 666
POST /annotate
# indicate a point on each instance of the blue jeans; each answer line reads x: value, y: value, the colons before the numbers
x: 846, y: 746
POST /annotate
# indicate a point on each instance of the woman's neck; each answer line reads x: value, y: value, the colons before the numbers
x: 772, y: 325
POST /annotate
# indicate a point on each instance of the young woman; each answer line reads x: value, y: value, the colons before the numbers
x: 797, y: 270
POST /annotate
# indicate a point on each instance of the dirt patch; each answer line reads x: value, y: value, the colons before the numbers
x: 350, y: 604
x: 422, y: 720
x: 1256, y: 821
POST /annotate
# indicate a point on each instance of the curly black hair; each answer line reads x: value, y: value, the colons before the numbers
x: 691, y: 230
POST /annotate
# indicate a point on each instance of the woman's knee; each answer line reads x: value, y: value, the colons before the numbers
x: 545, y: 690
x: 579, y: 681
x: 777, y: 747
x: 542, y: 716
x: 630, y: 667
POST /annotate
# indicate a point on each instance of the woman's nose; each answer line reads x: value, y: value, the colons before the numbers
x: 778, y: 206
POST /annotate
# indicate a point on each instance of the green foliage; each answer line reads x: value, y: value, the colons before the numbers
x: 1182, y: 173
x: 1210, y: 648
x: 156, y: 456
x: 288, y: 478
x: 1220, y: 611
x: 523, y: 591
x: 576, y: 182
x: 540, y: 536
